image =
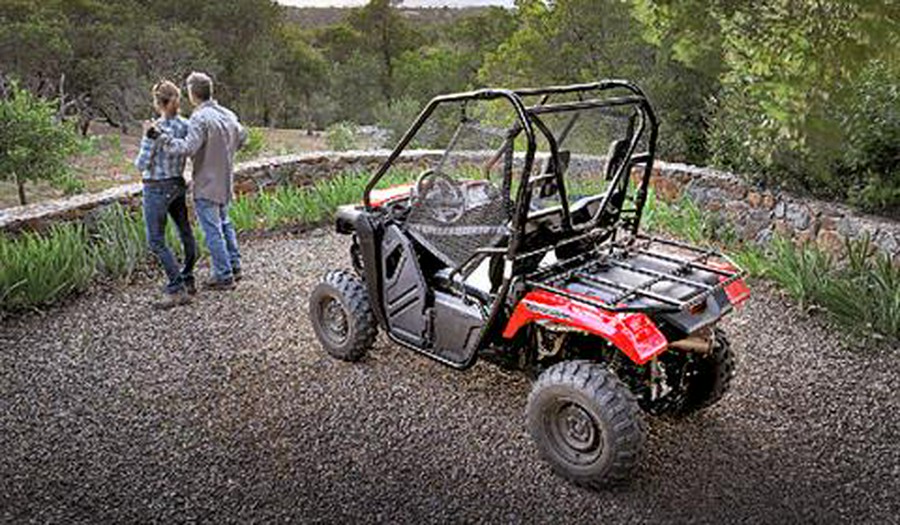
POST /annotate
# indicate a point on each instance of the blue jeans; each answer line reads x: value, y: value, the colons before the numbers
x: 220, y: 238
x: 160, y: 200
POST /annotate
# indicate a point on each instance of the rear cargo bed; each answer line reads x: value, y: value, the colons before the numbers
x: 647, y: 274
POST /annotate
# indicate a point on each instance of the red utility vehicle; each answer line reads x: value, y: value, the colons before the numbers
x: 534, y: 259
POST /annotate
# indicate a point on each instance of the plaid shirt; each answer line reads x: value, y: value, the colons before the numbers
x: 154, y: 162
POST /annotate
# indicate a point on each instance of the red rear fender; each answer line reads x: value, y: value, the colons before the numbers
x: 632, y: 333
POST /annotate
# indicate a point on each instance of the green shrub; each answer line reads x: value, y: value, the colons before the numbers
x: 256, y: 142
x: 120, y: 242
x: 870, y: 157
x: 341, y: 136
x: 798, y: 269
x: 861, y: 292
x: 33, y: 145
x: 39, y: 269
x: 398, y: 117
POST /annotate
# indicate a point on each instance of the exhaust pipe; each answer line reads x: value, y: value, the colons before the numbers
x: 699, y: 343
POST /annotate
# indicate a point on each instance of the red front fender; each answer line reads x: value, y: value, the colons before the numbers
x: 632, y: 333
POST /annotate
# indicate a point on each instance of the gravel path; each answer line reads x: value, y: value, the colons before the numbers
x: 228, y: 411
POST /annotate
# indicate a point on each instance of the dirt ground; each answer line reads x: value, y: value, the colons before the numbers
x: 228, y: 411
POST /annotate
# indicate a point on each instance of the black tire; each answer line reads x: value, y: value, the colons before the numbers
x: 712, y: 375
x: 342, y: 317
x: 586, y: 423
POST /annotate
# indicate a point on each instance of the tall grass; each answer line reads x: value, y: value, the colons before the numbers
x: 39, y: 269
x: 119, y: 242
x: 861, y: 291
x: 306, y: 205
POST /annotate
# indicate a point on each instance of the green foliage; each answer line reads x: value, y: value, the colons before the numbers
x: 806, y: 99
x: 38, y: 269
x: 33, y: 146
x: 687, y: 220
x: 256, y: 142
x: 341, y: 136
x: 870, y: 156
x: 586, y: 40
x: 119, y: 242
x: 795, y: 94
x: 398, y: 117
x: 288, y: 205
x: 862, y: 292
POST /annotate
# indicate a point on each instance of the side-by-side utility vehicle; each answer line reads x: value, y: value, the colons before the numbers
x: 517, y: 240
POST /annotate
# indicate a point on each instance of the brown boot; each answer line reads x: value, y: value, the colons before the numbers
x: 219, y: 284
x: 172, y: 299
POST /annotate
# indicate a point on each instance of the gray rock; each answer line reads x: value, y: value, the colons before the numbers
x: 778, y: 212
x: 797, y: 215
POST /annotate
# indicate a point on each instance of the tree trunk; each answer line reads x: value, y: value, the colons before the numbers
x: 20, y: 184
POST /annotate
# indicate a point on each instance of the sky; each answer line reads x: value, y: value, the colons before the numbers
x: 406, y: 3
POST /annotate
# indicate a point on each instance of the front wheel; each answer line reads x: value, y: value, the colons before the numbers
x: 342, y: 317
x: 586, y: 423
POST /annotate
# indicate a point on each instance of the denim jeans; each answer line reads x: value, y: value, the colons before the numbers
x: 162, y: 199
x: 220, y: 238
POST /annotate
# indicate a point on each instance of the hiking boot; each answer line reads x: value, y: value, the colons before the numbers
x: 172, y: 299
x: 219, y: 284
x: 236, y: 272
x: 190, y: 286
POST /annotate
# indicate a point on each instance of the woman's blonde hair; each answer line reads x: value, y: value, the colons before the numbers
x: 164, y: 92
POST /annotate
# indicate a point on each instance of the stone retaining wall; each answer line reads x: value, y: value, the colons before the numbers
x: 755, y: 214
x: 758, y: 214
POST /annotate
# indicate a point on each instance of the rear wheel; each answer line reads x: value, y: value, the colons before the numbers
x: 712, y: 375
x: 342, y: 317
x: 586, y: 423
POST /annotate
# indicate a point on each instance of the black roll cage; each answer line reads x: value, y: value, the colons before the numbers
x: 528, y: 120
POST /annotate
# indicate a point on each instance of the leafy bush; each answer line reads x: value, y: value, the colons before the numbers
x: 33, y: 145
x: 256, y: 142
x: 397, y: 117
x: 341, y: 136
x: 870, y: 158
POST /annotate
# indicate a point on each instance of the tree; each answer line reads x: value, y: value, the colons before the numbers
x: 305, y: 73
x: 33, y: 144
x: 586, y: 40
x: 387, y: 36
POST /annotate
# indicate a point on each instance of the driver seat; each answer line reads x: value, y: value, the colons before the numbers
x: 476, y: 218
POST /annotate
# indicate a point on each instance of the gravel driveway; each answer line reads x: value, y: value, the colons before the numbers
x: 228, y: 411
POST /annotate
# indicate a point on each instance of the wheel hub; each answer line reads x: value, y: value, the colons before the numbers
x: 577, y: 428
x: 334, y: 320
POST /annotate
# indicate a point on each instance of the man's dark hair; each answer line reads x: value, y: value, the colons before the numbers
x: 200, y: 85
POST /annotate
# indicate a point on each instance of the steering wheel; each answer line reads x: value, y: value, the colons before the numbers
x: 440, y: 196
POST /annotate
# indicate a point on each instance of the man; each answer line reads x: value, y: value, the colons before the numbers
x: 214, y: 135
x: 164, y: 194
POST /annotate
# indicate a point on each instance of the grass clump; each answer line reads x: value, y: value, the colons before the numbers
x: 38, y: 269
x: 860, y: 291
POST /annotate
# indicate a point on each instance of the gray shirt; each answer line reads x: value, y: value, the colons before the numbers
x: 214, y: 135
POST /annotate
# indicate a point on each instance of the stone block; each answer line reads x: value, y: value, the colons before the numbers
x: 831, y: 241
x: 754, y: 199
x: 778, y: 211
x: 798, y: 216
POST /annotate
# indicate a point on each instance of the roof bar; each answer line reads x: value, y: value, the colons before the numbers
x: 587, y: 104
